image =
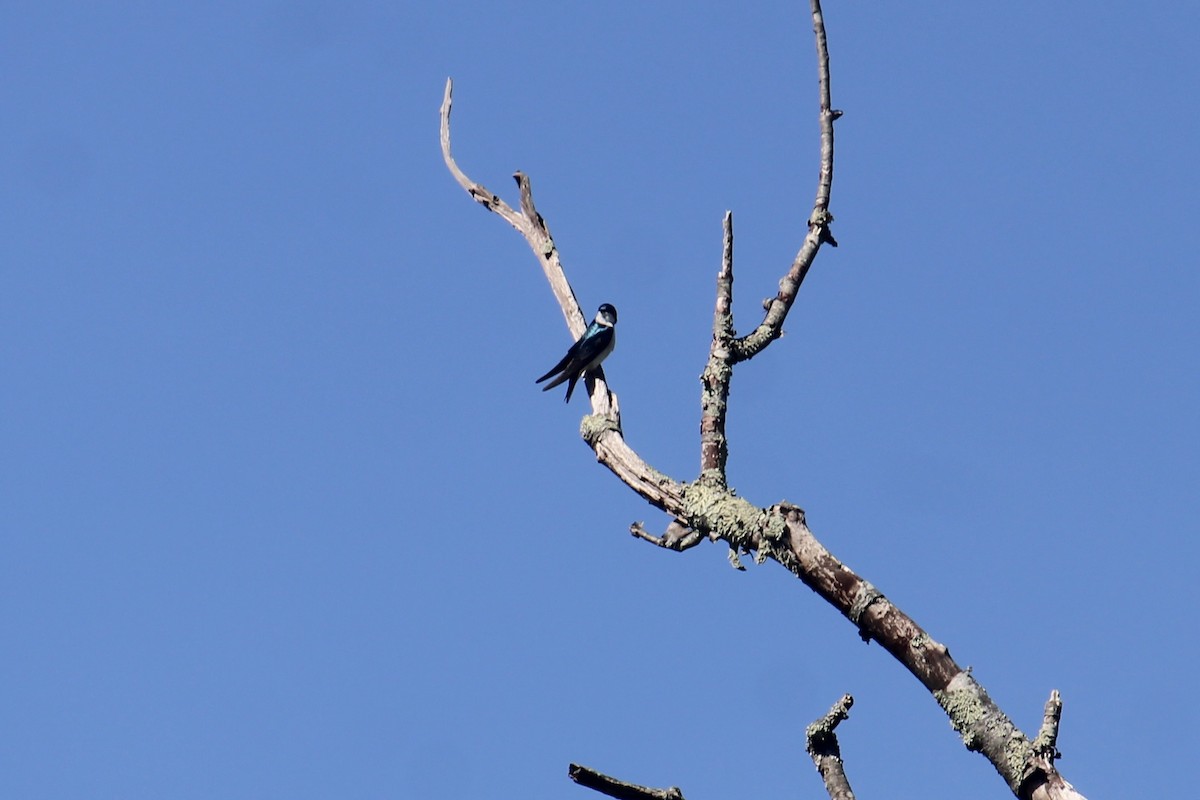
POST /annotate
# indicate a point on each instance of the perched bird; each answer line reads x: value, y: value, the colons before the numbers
x: 586, y: 354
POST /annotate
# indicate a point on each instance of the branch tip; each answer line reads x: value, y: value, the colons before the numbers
x: 777, y: 308
x: 621, y: 790
x: 677, y: 537
x: 1046, y: 742
x: 822, y: 744
x: 714, y: 397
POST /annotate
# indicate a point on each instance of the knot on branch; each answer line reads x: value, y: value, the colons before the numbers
x: 863, y: 598
x: 482, y: 196
x: 719, y: 513
x: 677, y: 537
x: 820, y: 220
x: 593, y: 426
x: 819, y: 735
x: 792, y: 513
x: 773, y: 540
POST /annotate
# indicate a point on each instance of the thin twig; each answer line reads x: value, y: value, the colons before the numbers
x: 677, y: 536
x: 602, y: 429
x: 531, y: 225
x: 478, y: 191
x: 771, y: 327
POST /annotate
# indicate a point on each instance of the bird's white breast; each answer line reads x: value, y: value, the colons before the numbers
x: 603, y: 354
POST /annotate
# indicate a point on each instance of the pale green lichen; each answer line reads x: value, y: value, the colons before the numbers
x: 977, y: 720
x: 1018, y: 754
x: 718, y: 510
x: 965, y: 710
x: 774, y: 528
x: 773, y: 531
x: 593, y: 426
x: 735, y: 561
x: 745, y: 527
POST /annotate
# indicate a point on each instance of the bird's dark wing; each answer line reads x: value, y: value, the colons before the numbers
x: 561, y: 365
x: 592, y: 350
x: 571, y: 386
x: 592, y: 347
x: 566, y: 373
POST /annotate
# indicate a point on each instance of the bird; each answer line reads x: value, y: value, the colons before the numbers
x: 587, y: 353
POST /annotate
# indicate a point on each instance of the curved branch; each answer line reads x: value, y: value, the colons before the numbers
x: 771, y: 327
x: 528, y: 222
x: 602, y: 429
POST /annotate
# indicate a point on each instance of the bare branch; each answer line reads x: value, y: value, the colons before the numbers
x: 771, y: 327
x: 531, y: 225
x: 677, y: 536
x: 822, y: 745
x: 528, y: 222
x: 714, y: 398
x: 621, y: 790
x: 477, y: 190
x: 1045, y: 783
x: 1046, y: 743
x: 601, y: 429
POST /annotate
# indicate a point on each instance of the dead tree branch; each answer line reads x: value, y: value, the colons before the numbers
x: 677, y: 536
x: 771, y: 328
x: 619, y: 789
x: 707, y: 508
x: 530, y: 224
x: 714, y: 399
x: 822, y: 745
x: 1046, y: 743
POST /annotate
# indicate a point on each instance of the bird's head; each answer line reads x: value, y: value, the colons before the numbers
x: 607, y: 315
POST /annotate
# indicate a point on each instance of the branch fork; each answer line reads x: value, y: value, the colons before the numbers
x: 708, y: 508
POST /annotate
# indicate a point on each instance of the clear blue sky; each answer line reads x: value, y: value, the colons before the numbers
x: 283, y: 515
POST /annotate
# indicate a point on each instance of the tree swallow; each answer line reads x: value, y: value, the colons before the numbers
x: 586, y: 354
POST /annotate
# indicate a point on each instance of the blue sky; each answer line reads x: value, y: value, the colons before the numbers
x: 282, y: 513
